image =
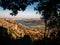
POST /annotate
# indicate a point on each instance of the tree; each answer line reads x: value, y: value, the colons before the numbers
x: 15, y: 5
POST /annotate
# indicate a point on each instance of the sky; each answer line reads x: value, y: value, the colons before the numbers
x: 28, y: 13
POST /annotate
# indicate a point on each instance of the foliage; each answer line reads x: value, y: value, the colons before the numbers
x: 15, y: 5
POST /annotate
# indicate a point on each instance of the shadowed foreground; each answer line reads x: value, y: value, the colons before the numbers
x: 26, y: 40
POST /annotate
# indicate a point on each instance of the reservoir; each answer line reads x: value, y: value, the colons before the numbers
x: 25, y: 23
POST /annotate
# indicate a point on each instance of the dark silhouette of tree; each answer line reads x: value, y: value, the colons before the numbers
x: 4, y: 37
x: 15, y: 5
x: 49, y: 10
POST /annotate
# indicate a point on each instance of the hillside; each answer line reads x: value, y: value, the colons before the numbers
x: 17, y: 30
x: 36, y: 21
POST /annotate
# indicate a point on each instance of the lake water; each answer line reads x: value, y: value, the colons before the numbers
x: 25, y: 23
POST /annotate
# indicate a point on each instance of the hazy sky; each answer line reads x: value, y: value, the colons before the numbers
x: 28, y: 13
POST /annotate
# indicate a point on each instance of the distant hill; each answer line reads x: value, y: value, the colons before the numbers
x: 40, y: 22
x: 23, y: 18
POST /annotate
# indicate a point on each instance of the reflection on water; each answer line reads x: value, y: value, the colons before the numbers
x: 25, y: 23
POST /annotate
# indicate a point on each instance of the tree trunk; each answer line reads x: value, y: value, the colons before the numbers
x: 45, y: 27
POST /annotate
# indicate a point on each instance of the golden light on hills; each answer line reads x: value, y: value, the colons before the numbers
x: 17, y: 30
